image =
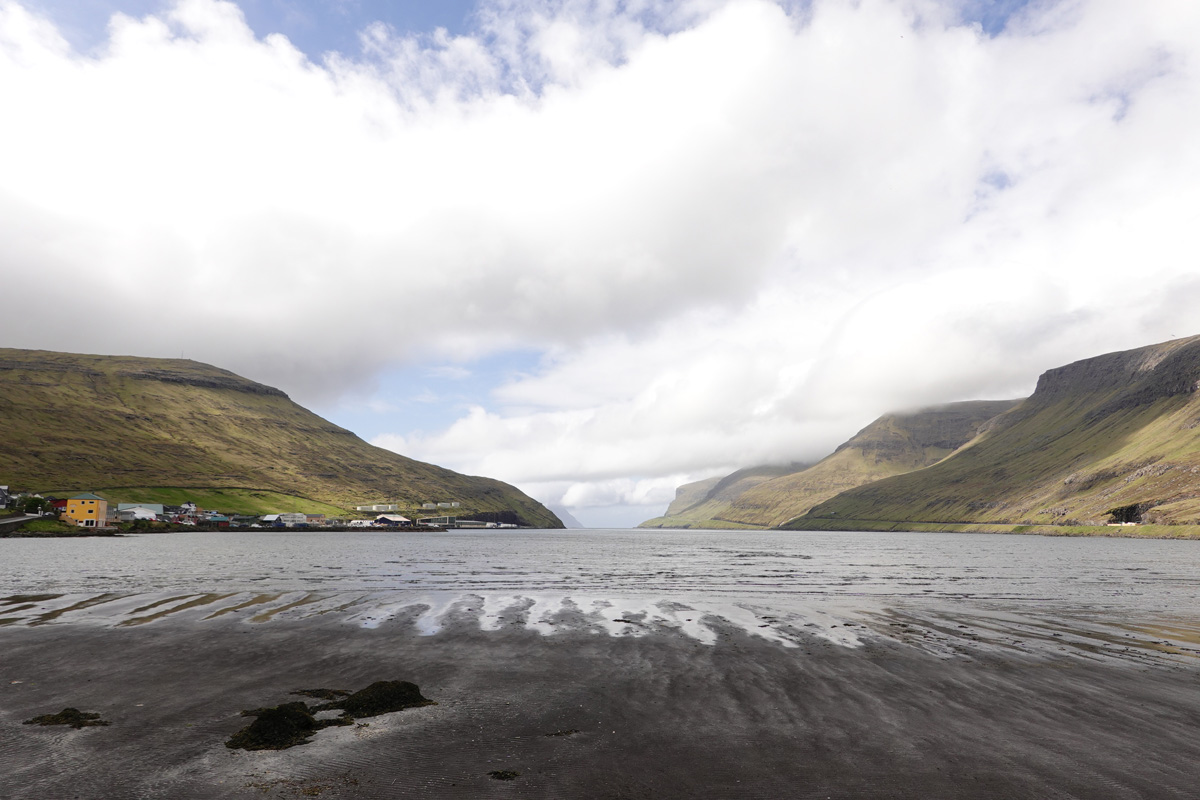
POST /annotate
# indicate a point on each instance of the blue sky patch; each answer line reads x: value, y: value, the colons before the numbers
x: 992, y: 15
x: 428, y: 398
x: 315, y: 27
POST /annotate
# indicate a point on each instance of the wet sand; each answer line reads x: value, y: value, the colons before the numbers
x: 587, y: 714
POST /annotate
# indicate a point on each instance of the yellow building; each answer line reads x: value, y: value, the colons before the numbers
x: 86, y: 511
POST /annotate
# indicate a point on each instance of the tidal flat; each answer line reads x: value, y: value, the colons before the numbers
x: 769, y: 666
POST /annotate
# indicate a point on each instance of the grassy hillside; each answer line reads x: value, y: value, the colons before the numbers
x: 1117, y: 431
x: 237, y: 501
x: 894, y: 444
x: 690, y: 494
x: 706, y: 504
x: 142, y: 429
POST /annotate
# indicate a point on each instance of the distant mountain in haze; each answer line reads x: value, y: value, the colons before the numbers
x: 768, y: 496
x: 567, y: 520
x: 144, y: 429
x: 1115, y: 437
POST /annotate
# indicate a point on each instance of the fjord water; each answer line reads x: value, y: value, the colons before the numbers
x: 1116, y: 573
x: 625, y: 582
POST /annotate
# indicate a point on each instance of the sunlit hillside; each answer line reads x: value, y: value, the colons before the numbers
x: 894, y: 444
x: 141, y: 428
x: 1119, y: 432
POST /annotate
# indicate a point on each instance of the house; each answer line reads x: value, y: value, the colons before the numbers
x: 127, y: 512
x: 156, y: 509
x: 315, y: 519
x: 87, y: 510
x: 270, y: 519
x: 392, y: 520
x: 3, y: 497
x: 293, y: 519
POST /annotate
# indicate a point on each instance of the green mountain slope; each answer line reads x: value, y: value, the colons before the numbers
x: 144, y: 425
x: 707, y: 503
x: 1118, y: 430
x: 690, y: 494
x: 894, y: 444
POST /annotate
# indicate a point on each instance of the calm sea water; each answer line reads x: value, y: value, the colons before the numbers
x: 623, y: 582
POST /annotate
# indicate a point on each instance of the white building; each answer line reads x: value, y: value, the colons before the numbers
x: 133, y: 513
x: 155, y: 508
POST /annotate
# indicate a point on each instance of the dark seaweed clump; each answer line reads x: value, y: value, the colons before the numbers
x: 381, y: 697
x: 291, y: 724
x: 69, y: 716
x: 279, y: 727
x: 504, y: 774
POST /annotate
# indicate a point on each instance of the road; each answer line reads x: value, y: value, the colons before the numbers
x: 12, y: 523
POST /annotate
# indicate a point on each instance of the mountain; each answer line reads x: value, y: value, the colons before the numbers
x: 763, y: 497
x: 146, y: 430
x: 711, y: 503
x: 568, y: 520
x: 1115, y: 437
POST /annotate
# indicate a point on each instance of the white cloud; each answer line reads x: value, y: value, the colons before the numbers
x: 738, y: 231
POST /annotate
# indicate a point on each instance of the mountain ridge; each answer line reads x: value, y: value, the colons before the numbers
x: 893, y: 443
x: 77, y: 421
x: 1118, y: 432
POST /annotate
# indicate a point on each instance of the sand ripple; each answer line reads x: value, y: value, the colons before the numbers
x: 943, y: 629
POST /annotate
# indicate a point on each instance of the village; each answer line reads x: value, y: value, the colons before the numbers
x: 89, y: 510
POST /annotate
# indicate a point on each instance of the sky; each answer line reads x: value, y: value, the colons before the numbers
x: 601, y: 248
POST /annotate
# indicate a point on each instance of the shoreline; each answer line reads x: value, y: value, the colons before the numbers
x: 1140, y: 531
x: 110, y: 532
x: 1173, y: 532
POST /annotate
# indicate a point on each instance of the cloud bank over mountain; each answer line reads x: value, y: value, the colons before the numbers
x: 736, y: 231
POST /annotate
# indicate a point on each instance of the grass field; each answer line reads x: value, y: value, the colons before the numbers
x: 235, y: 501
x: 48, y: 526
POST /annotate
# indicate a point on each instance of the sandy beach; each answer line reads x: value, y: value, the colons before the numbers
x: 587, y: 714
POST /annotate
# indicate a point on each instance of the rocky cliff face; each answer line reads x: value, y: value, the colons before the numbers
x: 1152, y: 372
x: 909, y: 435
